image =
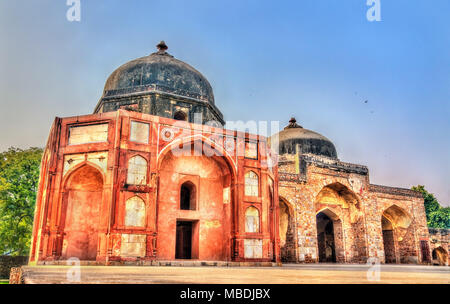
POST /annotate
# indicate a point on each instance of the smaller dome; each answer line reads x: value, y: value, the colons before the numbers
x: 308, y: 141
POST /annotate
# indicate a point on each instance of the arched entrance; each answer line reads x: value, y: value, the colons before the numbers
x: 287, y: 232
x: 195, y: 213
x: 332, y: 246
x: 326, y: 236
x: 81, y: 208
x: 440, y: 256
x: 398, y: 236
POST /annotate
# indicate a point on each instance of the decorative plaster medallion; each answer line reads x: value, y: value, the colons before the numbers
x: 167, y: 134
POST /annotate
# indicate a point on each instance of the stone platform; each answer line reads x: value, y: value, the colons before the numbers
x: 185, y: 263
x: 286, y: 274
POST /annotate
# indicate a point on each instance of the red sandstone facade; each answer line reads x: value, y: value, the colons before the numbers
x: 114, y: 187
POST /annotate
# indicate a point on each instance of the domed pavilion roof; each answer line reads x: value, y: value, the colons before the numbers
x: 162, y: 72
x: 307, y: 140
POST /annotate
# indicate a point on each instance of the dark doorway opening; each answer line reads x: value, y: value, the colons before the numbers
x: 388, y: 241
x: 183, y: 248
x: 424, y: 247
x: 389, y: 249
x: 179, y: 115
x: 187, y: 196
x: 287, y: 234
x: 325, y: 239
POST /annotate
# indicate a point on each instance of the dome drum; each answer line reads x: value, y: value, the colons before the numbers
x: 152, y: 88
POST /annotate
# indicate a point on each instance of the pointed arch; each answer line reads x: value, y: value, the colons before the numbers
x: 398, y: 236
x: 342, y: 206
x: 74, y: 169
x: 252, y: 221
x: 223, y: 153
x: 134, y: 212
x: 218, y: 195
x: 80, y: 212
x: 397, y: 216
x: 137, y: 170
x: 440, y: 256
x: 188, y: 196
x: 251, y: 180
x: 332, y: 214
x: 338, y: 194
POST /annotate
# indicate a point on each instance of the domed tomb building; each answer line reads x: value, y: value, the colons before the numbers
x: 142, y: 181
x: 331, y: 213
x: 160, y: 85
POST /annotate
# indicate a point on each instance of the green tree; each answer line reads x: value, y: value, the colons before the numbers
x: 437, y: 216
x: 19, y: 177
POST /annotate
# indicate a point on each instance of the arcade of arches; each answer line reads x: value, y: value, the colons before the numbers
x: 341, y: 218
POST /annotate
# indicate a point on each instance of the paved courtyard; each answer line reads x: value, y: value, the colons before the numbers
x: 289, y: 273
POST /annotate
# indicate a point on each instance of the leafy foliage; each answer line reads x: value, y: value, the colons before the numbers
x: 437, y: 216
x: 19, y: 177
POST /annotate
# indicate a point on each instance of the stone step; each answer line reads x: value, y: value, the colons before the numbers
x: 95, y: 274
x: 228, y: 275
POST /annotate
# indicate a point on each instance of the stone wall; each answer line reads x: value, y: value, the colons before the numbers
x: 312, y: 184
x: 7, y: 262
x: 439, y: 246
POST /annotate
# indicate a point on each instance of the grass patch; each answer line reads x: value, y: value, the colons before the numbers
x: 4, y: 282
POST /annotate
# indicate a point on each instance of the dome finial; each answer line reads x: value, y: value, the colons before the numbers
x: 162, y: 47
x: 293, y: 124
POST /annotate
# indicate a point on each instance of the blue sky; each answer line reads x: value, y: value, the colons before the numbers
x: 317, y: 60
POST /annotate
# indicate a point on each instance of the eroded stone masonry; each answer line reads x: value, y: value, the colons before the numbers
x: 330, y: 212
x: 439, y: 246
x: 141, y: 180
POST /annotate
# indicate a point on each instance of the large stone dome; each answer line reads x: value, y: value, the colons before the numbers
x: 160, y: 85
x: 159, y: 71
x: 308, y: 141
